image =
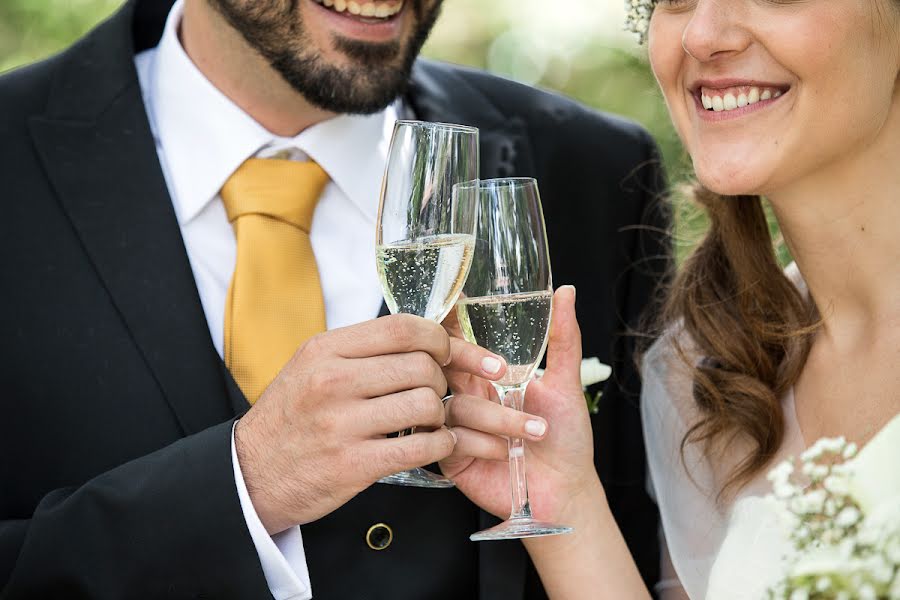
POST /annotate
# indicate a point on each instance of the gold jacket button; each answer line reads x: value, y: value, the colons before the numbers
x: 379, y: 536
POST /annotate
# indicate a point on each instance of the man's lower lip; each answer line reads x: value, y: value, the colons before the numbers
x: 367, y: 28
x: 726, y: 115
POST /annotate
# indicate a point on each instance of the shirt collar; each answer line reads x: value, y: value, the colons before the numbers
x: 353, y: 151
x: 205, y: 136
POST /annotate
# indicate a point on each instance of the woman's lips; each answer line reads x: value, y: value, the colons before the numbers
x: 717, y: 102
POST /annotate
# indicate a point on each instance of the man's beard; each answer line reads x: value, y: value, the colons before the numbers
x: 375, y: 74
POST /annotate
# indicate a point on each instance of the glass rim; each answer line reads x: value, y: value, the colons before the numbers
x: 508, y: 182
x: 471, y: 183
x: 435, y: 125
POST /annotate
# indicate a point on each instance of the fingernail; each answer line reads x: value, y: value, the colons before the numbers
x: 574, y: 291
x: 453, y: 435
x: 535, y: 428
x: 490, y: 365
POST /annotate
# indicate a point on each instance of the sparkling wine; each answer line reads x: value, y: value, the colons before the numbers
x: 424, y: 277
x: 515, y: 326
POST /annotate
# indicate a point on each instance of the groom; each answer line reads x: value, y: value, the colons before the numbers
x: 123, y: 473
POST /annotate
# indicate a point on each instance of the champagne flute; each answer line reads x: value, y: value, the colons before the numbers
x: 425, y: 230
x: 506, y: 309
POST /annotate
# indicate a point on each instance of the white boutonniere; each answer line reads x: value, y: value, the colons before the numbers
x: 843, y: 514
x: 592, y: 371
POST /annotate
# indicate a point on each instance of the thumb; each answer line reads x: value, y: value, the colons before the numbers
x: 564, y: 348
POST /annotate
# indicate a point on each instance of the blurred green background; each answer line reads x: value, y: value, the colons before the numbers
x: 576, y: 47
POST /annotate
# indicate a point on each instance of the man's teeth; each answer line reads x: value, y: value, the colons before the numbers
x: 381, y: 10
x: 739, y: 98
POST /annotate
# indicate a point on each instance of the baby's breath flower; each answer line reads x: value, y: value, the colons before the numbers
x: 781, y: 472
x: 813, y: 453
x: 867, y: 592
x: 833, y: 446
x: 846, y: 549
x: 841, y: 470
x: 783, y: 489
x: 847, y: 518
x: 807, y: 468
x: 819, y: 472
x: 810, y: 503
x: 637, y: 17
x: 836, y: 484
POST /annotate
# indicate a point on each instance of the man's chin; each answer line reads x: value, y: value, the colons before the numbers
x: 353, y: 90
x: 354, y: 55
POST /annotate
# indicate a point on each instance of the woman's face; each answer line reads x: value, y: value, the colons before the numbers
x: 766, y: 93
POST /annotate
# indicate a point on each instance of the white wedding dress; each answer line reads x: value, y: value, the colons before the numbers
x: 728, y: 549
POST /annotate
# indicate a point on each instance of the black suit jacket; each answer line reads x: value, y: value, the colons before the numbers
x: 115, y: 465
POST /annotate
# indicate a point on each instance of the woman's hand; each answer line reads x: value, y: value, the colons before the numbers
x: 563, y: 486
x: 559, y: 459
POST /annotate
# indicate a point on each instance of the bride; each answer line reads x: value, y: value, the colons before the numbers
x: 792, y: 100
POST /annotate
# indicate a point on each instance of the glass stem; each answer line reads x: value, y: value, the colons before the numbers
x: 514, y: 397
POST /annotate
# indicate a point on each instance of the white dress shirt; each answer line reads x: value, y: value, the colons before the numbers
x: 201, y: 138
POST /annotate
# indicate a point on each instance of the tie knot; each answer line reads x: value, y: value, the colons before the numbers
x: 286, y: 190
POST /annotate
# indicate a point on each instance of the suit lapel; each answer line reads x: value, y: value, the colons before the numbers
x: 438, y: 94
x: 98, y: 150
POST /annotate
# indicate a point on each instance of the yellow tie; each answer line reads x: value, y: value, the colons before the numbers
x: 275, y: 300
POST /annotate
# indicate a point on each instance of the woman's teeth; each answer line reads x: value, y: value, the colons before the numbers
x: 380, y: 10
x: 722, y: 100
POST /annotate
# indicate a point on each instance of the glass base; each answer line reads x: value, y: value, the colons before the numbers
x: 418, y: 478
x: 514, y: 529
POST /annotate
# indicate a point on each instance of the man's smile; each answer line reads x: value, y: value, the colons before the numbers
x: 363, y: 20
x: 366, y: 10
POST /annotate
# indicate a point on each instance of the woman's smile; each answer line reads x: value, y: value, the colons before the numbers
x: 720, y: 100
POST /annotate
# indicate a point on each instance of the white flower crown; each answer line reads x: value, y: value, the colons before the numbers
x: 637, y: 17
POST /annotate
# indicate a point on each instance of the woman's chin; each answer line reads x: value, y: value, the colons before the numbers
x: 729, y: 182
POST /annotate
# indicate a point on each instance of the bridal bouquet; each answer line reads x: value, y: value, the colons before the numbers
x: 844, y: 520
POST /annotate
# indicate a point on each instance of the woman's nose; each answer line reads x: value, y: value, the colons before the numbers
x: 715, y: 29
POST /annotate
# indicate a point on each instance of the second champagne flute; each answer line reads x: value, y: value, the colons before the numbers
x: 506, y: 309
x: 425, y: 230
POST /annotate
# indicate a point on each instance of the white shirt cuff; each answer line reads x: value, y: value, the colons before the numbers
x: 281, y: 555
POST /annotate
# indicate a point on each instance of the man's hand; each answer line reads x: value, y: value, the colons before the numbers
x: 317, y: 435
